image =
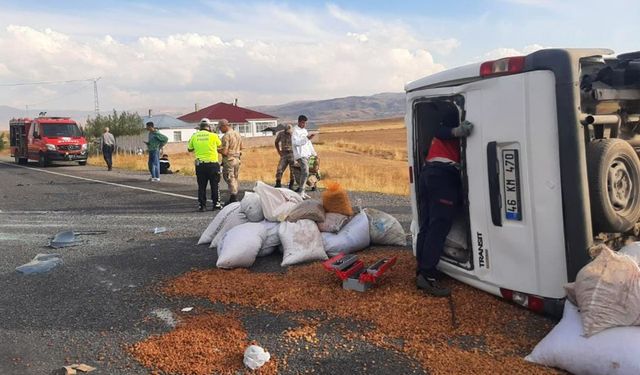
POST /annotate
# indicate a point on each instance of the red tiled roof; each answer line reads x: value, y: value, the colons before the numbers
x: 221, y: 110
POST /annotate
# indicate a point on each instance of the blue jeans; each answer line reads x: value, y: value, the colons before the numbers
x: 154, y: 163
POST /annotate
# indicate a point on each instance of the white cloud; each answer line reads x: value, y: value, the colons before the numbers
x: 499, y: 53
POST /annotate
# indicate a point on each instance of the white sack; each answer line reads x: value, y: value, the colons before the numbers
x: 232, y: 220
x: 632, y: 250
x: 301, y: 242
x: 252, y: 207
x: 255, y: 357
x: 457, y: 237
x: 276, y: 202
x: 333, y: 222
x: 608, y: 292
x: 241, y: 245
x: 353, y: 237
x: 385, y: 229
x: 310, y: 209
x: 613, y: 351
x: 272, y: 239
x: 215, y: 225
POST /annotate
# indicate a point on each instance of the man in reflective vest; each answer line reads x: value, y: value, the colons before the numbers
x: 439, y: 199
x: 204, y: 144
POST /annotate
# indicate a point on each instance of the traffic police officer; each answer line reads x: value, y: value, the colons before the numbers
x: 204, y: 144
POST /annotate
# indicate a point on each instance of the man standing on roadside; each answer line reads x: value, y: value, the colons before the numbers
x: 155, y: 142
x: 108, y: 142
x: 440, y: 198
x: 231, y: 149
x: 302, y: 151
x: 285, y: 150
x: 204, y: 144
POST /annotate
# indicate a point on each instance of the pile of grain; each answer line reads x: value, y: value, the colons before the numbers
x: 500, y: 334
x: 201, y: 345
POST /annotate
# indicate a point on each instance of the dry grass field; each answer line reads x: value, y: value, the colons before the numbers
x: 363, y: 156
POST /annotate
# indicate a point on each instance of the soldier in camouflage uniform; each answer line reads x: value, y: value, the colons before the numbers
x: 230, y: 150
x: 285, y: 150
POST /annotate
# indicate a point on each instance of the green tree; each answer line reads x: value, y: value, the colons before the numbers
x: 2, y: 141
x: 119, y: 124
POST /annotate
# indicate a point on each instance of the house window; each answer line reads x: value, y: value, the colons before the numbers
x: 243, y: 128
x: 177, y: 136
x: 261, y: 125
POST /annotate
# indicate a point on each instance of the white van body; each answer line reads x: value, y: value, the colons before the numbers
x: 523, y: 169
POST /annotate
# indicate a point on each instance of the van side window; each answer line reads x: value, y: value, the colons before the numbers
x: 35, y: 130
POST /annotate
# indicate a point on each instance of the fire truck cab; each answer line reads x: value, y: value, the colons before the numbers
x: 47, y: 139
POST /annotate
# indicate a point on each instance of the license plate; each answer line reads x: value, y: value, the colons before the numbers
x: 511, y: 183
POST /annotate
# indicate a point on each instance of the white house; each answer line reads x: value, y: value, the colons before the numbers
x: 247, y: 122
x: 176, y: 130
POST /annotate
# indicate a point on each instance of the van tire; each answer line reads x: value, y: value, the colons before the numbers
x: 614, y: 185
x: 42, y: 161
x: 84, y: 162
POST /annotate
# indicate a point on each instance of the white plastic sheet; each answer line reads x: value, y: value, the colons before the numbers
x: 255, y: 357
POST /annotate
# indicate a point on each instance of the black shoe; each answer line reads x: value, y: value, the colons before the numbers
x: 298, y: 190
x: 201, y: 208
x: 290, y: 185
x: 233, y: 198
x: 216, y: 206
x: 432, y: 287
x: 278, y: 184
x: 313, y: 188
x: 109, y: 168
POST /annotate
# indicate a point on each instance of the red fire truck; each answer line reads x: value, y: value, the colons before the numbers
x: 46, y: 139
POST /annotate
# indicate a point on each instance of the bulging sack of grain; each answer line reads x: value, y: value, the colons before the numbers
x: 252, y: 207
x: 335, y: 199
x: 241, y: 245
x: 232, y: 220
x: 608, y: 292
x: 613, y: 351
x: 333, y: 222
x: 276, y: 202
x: 272, y: 239
x: 385, y: 229
x: 632, y: 250
x: 309, y: 209
x: 301, y: 242
x: 457, y: 237
x: 353, y: 237
x: 217, y: 222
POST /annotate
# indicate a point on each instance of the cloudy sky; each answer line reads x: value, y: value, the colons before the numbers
x: 171, y: 54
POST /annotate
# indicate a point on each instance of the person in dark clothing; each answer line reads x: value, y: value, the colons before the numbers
x: 439, y: 199
x: 165, y: 165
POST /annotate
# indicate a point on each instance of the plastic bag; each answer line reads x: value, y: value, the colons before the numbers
x: 301, y: 242
x: 276, y: 202
x: 608, y: 292
x: 40, y: 263
x: 272, y: 239
x: 632, y: 250
x: 385, y: 229
x: 217, y: 222
x: 241, y: 245
x: 335, y: 199
x: 353, y: 237
x: 232, y: 220
x: 252, y: 207
x: 309, y: 209
x: 333, y: 222
x: 613, y: 351
x: 255, y: 357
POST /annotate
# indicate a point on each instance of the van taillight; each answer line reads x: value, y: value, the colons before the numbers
x: 508, y: 65
x: 410, y: 174
x: 533, y: 303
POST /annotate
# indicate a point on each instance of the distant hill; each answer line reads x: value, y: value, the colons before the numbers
x: 351, y: 108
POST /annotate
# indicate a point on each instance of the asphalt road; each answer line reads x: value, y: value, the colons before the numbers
x: 101, y: 298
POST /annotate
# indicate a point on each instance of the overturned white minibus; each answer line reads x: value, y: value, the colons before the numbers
x: 551, y: 165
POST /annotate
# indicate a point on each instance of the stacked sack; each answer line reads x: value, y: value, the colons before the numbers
x: 600, y: 329
x: 270, y: 219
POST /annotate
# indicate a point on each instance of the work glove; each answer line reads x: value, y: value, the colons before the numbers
x: 463, y: 130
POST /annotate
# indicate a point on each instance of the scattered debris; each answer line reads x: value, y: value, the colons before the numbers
x: 101, y: 269
x: 255, y: 357
x: 73, y: 369
x: 158, y: 230
x: 165, y: 315
x: 69, y: 238
x: 187, y: 309
x: 40, y: 264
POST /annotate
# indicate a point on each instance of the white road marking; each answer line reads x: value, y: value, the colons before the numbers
x: 101, y: 182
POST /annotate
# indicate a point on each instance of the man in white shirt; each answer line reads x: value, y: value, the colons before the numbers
x: 302, y: 151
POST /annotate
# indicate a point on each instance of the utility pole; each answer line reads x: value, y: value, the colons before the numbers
x: 95, y: 96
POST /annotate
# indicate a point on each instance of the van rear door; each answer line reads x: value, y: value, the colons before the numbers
x: 513, y: 169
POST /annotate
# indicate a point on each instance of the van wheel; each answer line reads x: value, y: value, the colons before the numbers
x: 84, y: 162
x: 42, y: 161
x: 614, y: 185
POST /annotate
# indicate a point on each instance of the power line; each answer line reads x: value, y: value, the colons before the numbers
x: 46, y: 82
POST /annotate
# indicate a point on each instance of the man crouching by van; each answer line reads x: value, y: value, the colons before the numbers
x: 439, y: 199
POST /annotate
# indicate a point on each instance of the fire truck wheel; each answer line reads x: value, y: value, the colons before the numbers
x: 42, y: 161
x: 614, y: 185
